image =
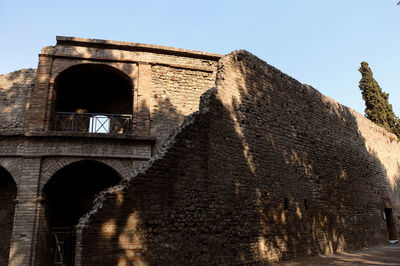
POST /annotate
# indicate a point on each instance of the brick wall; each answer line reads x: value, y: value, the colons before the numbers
x: 32, y: 161
x: 167, y: 82
x: 268, y: 170
x: 15, y: 89
x: 175, y: 94
x: 37, y: 153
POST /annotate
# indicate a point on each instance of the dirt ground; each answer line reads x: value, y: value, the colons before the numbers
x: 379, y: 255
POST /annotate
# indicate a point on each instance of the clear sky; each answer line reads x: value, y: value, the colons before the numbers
x: 318, y: 42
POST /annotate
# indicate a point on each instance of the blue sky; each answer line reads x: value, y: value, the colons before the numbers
x: 318, y: 42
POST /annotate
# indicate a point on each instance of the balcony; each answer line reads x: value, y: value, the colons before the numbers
x: 98, y: 123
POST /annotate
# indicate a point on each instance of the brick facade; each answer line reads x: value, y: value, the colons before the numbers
x: 32, y: 153
x: 159, y: 76
x: 268, y: 169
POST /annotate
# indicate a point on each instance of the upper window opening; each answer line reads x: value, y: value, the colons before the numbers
x: 93, y: 98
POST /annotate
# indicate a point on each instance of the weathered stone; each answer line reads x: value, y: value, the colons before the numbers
x: 316, y: 180
x: 262, y: 169
x: 33, y: 151
x: 15, y: 89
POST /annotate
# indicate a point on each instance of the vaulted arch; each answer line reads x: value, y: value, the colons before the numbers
x: 93, y: 98
x: 68, y: 195
x: 96, y: 88
x: 8, y: 193
x: 56, y: 164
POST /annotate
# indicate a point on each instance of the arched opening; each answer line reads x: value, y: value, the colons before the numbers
x: 391, y: 227
x: 93, y: 98
x: 68, y: 195
x: 8, y: 193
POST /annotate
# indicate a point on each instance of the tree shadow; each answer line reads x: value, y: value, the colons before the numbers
x: 269, y: 169
x: 310, y: 151
x: 65, y: 57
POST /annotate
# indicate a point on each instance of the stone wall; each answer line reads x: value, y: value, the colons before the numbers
x: 319, y: 177
x: 269, y: 169
x: 15, y: 89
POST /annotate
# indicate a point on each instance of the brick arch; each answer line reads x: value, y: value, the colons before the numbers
x: 128, y: 70
x: 57, y: 181
x: 8, y: 194
x: 52, y: 167
x: 13, y: 167
x: 91, y: 87
x: 122, y: 170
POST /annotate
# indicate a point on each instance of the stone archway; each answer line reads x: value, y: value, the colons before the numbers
x: 8, y: 193
x: 67, y: 196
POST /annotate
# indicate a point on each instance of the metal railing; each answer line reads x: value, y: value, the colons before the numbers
x: 62, y: 247
x: 92, y: 123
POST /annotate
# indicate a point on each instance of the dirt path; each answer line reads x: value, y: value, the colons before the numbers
x: 380, y: 255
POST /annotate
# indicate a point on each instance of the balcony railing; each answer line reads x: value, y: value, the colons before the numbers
x: 92, y: 123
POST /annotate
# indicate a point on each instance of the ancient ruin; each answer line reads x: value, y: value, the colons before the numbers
x: 117, y: 153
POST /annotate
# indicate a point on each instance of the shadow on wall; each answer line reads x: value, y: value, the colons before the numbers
x: 174, y: 91
x: 90, y: 81
x: 317, y: 187
x: 66, y: 197
x: 163, y: 119
x: 268, y: 170
x: 75, y: 73
x: 166, y: 113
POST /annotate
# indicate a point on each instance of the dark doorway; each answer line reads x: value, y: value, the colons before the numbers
x: 69, y: 194
x: 8, y: 193
x: 390, y: 224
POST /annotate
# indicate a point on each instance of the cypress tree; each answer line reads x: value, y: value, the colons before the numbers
x: 378, y: 109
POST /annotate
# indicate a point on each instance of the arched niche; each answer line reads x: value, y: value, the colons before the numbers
x: 93, y: 98
x: 67, y: 196
x: 8, y: 193
x: 95, y: 88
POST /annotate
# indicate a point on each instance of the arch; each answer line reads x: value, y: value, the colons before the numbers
x: 95, y: 88
x: 127, y: 69
x: 8, y: 193
x: 87, y: 177
x: 13, y: 167
x: 52, y: 166
x: 68, y: 195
